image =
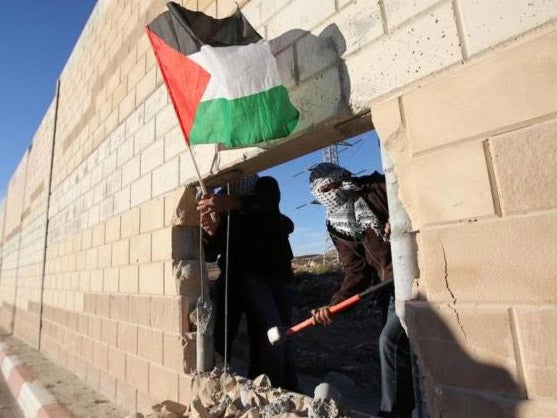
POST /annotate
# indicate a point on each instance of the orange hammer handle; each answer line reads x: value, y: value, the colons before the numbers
x: 341, y: 306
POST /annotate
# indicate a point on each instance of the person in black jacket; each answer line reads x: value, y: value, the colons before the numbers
x: 358, y: 223
x: 259, y: 272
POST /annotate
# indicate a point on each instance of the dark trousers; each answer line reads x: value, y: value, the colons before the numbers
x: 268, y: 303
x: 397, y: 395
x: 229, y: 322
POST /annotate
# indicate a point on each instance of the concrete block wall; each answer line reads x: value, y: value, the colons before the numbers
x: 475, y: 152
x: 122, y: 269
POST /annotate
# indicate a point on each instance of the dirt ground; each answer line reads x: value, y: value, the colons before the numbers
x: 344, y: 354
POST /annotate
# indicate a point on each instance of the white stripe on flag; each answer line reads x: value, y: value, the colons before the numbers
x: 238, y: 71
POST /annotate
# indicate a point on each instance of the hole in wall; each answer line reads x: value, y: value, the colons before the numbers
x: 345, y: 353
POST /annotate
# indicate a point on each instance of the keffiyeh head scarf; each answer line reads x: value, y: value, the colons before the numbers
x: 347, y: 211
x: 245, y: 185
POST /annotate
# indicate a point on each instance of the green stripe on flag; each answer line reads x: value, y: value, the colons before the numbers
x: 245, y: 121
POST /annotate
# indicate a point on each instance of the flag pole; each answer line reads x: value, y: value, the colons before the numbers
x: 197, y: 172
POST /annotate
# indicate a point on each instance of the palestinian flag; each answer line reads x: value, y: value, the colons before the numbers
x: 221, y: 77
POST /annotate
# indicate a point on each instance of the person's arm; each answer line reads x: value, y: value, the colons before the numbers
x: 357, y: 275
x: 357, y: 272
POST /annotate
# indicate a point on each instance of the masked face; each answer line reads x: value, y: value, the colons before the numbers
x: 330, y: 188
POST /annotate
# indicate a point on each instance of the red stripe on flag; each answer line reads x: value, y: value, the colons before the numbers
x: 185, y: 80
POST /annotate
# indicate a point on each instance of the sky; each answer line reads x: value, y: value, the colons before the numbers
x: 36, y: 40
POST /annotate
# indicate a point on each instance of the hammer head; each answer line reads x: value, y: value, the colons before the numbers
x: 276, y: 335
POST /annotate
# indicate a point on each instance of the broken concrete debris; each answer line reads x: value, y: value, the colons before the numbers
x: 224, y: 395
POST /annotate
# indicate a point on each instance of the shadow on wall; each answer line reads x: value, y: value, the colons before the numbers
x: 313, y: 70
x: 458, y: 385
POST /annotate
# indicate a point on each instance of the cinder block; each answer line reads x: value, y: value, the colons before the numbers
x: 112, y: 232
x: 109, y: 163
x: 126, y: 106
x: 351, y: 28
x: 387, y: 121
x: 166, y: 177
x: 457, y: 403
x: 109, y: 332
x: 304, y: 16
x: 165, y: 313
x: 93, y: 215
x: 162, y: 245
x: 397, y: 12
x: 121, y: 253
x: 149, y: 344
x: 140, y: 248
x: 125, y: 152
x: 252, y: 11
x: 87, y: 350
x: 526, y: 180
x: 104, y: 254
x: 131, y: 170
x: 468, y: 346
x: 165, y: 120
x: 151, y: 278
x: 137, y: 72
x: 318, y: 98
x: 156, y: 101
x: 174, y: 143
x: 141, y: 190
x: 146, y: 85
x: 211, y: 9
x: 171, y: 204
x: 137, y: 372
x: 100, y: 359
x: 113, y: 182
x: 173, y: 352
x: 535, y: 327
x: 485, y: 97
x: 93, y: 375
x: 135, y: 121
x: 140, y: 309
x: 103, y: 305
x: 122, y: 200
x: 96, y: 280
x: 98, y: 235
x: 127, y: 337
x: 106, y: 208
x: 225, y: 8
x: 286, y: 65
x: 116, y: 138
x: 151, y: 215
x: 119, y: 307
x: 130, y: 223
x: 125, y: 394
x: 117, y: 363
x: 110, y: 279
x: 445, y: 187
x: 497, y: 21
x: 503, y: 261
x: 119, y: 94
x: 163, y: 383
x: 185, y: 385
x: 426, y: 45
x: 145, y: 135
x: 129, y: 279
x: 152, y: 156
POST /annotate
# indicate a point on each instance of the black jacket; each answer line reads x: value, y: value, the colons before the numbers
x: 258, y: 236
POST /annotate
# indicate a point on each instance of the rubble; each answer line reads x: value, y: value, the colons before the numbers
x: 225, y: 395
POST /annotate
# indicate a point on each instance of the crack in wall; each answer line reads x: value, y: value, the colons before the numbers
x: 447, y: 286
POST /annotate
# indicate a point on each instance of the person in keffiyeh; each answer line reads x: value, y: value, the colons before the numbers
x: 358, y: 223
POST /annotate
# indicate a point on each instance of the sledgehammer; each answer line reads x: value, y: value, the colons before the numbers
x: 278, y: 334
